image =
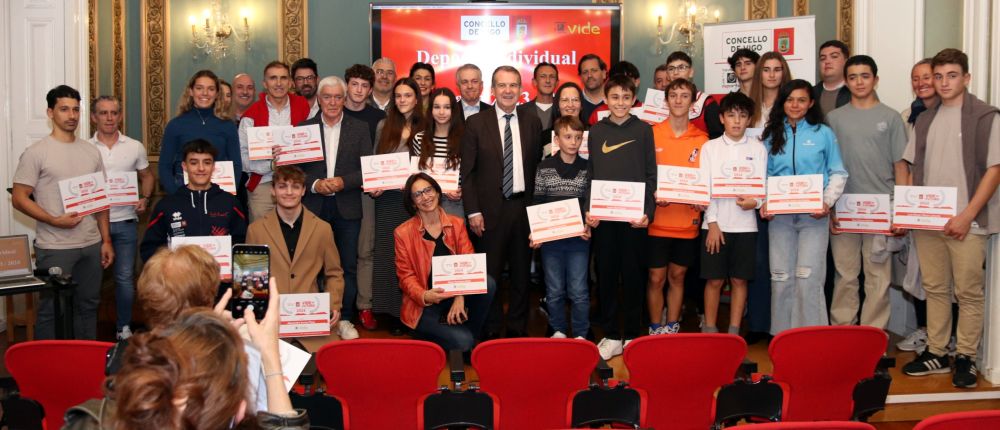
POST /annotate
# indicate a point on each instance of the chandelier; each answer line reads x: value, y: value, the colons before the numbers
x: 211, y: 34
x: 689, y: 22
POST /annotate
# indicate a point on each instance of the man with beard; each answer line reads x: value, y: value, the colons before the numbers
x: 304, y: 77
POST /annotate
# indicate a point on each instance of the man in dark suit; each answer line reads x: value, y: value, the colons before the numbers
x: 500, y: 151
x: 469, y: 79
x: 334, y: 184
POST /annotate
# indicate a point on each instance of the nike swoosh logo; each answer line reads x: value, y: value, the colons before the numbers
x: 607, y: 149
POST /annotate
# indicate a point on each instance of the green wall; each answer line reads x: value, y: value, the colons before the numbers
x: 945, y: 29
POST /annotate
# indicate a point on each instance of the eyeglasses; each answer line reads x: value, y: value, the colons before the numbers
x: 310, y: 78
x: 427, y: 191
x: 681, y: 68
x: 380, y: 72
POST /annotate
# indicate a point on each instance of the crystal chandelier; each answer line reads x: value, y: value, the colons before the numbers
x: 689, y: 22
x: 210, y: 35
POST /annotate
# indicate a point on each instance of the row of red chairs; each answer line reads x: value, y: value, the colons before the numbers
x: 532, y: 383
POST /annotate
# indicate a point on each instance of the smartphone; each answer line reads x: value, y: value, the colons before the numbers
x: 251, y: 277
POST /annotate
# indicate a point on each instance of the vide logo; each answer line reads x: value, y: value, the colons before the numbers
x: 586, y: 29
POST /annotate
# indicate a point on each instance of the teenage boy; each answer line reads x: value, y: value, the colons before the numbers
x: 730, y: 226
x: 831, y: 93
x: 199, y: 209
x: 704, y: 112
x: 872, y: 139
x: 625, y: 153
x: 673, y: 234
x: 620, y: 68
x: 743, y: 62
x: 961, y: 134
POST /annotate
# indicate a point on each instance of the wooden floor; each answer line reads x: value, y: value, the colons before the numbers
x: 895, y: 417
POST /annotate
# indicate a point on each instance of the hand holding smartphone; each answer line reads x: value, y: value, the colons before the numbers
x: 251, y: 276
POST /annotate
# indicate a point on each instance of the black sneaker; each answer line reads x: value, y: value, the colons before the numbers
x: 966, y: 375
x: 927, y: 364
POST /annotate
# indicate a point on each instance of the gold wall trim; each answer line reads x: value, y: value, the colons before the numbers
x: 118, y: 48
x: 845, y: 22
x: 800, y: 7
x: 760, y: 9
x: 294, y: 32
x: 155, y: 69
x: 92, y: 52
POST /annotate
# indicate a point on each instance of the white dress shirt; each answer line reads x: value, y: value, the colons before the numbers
x: 331, y: 142
x: 717, y: 153
x: 515, y: 131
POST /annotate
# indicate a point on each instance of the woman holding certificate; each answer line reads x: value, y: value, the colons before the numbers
x: 801, y: 151
x: 452, y: 321
x: 438, y: 147
x: 393, y: 134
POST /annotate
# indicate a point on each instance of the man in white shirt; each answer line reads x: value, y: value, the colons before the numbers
x: 385, y: 77
x: 122, y: 154
x: 470, y: 85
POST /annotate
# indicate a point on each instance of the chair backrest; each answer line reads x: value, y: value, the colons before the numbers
x: 533, y: 380
x: 381, y: 381
x: 469, y: 409
x: 971, y: 420
x: 679, y: 375
x: 59, y: 374
x: 820, y: 366
x: 813, y: 425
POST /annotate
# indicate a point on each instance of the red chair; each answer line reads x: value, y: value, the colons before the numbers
x: 59, y: 374
x: 813, y: 425
x: 381, y: 381
x: 971, y: 420
x: 678, y: 375
x: 533, y: 380
x: 819, y: 368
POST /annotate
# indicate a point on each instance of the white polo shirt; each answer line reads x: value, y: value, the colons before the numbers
x: 126, y: 155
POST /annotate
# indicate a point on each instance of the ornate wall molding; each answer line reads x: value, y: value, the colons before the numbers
x: 760, y: 9
x: 294, y: 31
x: 800, y: 7
x: 845, y: 22
x: 92, y: 52
x: 155, y: 69
x: 118, y: 48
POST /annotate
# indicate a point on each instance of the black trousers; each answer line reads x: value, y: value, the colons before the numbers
x: 506, y: 244
x: 620, y: 255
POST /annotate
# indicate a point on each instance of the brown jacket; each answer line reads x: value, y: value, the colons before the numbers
x: 316, y: 252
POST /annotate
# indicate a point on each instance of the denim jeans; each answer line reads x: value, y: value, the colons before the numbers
x: 798, y: 271
x: 461, y: 336
x: 124, y: 239
x: 565, y: 264
x: 345, y: 235
x: 759, y: 290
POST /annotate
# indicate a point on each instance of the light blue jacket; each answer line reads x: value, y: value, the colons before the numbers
x: 810, y: 150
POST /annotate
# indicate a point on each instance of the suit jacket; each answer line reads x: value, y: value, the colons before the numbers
x: 482, y: 162
x: 315, y: 253
x: 355, y: 142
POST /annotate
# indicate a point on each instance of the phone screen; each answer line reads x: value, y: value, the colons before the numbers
x: 251, y: 274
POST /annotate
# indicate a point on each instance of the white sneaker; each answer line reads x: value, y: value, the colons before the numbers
x: 558, y: 335
x: 346, y: 330
x: 125, y: 333
x: 609, y: 348
x: 673, y: 328
x: 917, y: 339
x: 580, y: 338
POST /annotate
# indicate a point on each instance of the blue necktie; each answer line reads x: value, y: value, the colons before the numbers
x: 508, y: 158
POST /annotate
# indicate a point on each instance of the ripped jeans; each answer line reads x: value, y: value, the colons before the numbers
x: 798, y: 271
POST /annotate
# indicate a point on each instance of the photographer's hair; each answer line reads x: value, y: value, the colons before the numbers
x: 174, y: 280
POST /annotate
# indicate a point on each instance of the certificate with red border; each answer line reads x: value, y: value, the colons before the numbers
x: 795, y: 194
x: 555, y: 220
x: 923, y: 208
x: 459, y: 275
x: 385, y: 171
x: 85, y: 194
x: 864, y: 213
x: 304, y: 315
x: 678, y: 184
x: 617, y: 201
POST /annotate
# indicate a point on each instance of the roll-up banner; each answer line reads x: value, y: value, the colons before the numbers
x: 794, y: 38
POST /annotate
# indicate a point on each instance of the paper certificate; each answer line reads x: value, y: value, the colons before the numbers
x: 655, y: 98
x: 259, y: 142
x: 459, y: 275
x: 924, y: 208
x: 299, y: 145
x: 739, y: 178
x: 385, y: 172
x: 555, y: 220
x: 796, y: 194
x: 445, y: 177
x: 583, y: 152
x: 223, y: 176
x: 863, y: 213
x: 84, y: 194
x: 686, y: 185
x: 617, y: 201
x: 221, y: 247
x: 305, y: 315
x: 123, y: 188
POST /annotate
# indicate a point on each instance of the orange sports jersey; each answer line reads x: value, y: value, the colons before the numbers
x: 677, y: 220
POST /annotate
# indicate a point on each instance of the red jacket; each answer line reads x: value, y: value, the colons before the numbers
x: 413, y: 260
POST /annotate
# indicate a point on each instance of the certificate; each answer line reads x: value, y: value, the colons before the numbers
x: 924, y: 208
x: 385, y: 171
x: 863, y: 213
x: 299, y: 145
x: 795, y: 194
x: 223, y: 176
x: 84, y: 194
x: 445, y: 177
x: 221, y: 247
x: 583, y: 152
x: 686, y: 185
x: 739, y: 178
x: 555, y: 220
x: 304, y: 315
x: 617, y: 201
x: 655, y: 98
x: 459, y: 275
x: 123, y: 188
x: 259, y: 142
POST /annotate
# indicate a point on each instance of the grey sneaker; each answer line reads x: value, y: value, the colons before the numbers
x: 915, y: 341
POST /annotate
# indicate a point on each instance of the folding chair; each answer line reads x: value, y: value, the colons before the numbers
x: 813, y: 425
x: 455, y: 407
x: 971, y: 420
